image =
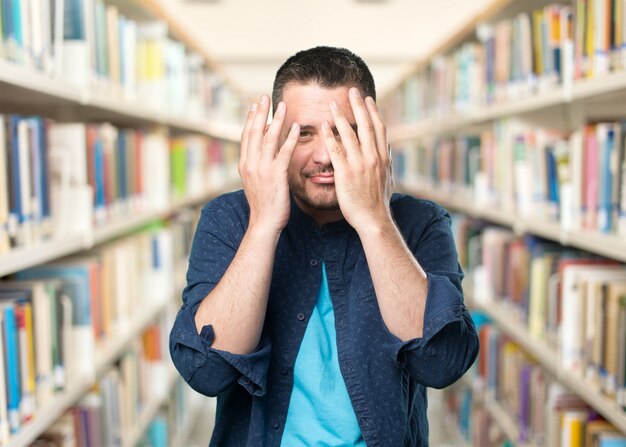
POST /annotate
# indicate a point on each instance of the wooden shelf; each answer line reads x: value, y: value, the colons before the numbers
x: 148, y: 413
x: 610, y: 87
x: 40, y: 252
x: 549, y: 360
x: 503, y: 420
x: 48, y: 250
x: 25, y: 91
x: 611, y: 246
x: 106, y: 354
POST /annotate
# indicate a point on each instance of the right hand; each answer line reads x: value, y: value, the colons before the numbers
x: 263, y: 166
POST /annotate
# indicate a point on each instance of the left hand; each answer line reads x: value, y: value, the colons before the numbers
x: 362, y: 164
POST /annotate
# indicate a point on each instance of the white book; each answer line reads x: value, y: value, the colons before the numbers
x: 4, y: 190
x: 130, y: 59
x: 24, y: 234
x: 156, y: 170
x: 572, y: 217
x: 574, y: 305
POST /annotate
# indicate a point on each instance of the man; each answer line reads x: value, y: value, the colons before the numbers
x: 318, y: 307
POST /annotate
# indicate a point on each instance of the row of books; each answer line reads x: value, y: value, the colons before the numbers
x: 572, y: 301
x: 110, y: 412
x: 517, y: 57
x: 577, y: 179
x: 94, y: 45
x: 507, y: 384
x: 56, y: 317
x: 64, y: 178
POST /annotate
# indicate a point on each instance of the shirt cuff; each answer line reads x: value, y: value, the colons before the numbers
x: 444, y: 305
x: 252, y: 368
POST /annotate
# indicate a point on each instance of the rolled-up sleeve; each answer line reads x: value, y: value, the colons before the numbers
x: 207, y: 370
x: 449, y: 343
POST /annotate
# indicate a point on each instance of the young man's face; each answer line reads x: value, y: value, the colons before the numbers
x: 311, y: 178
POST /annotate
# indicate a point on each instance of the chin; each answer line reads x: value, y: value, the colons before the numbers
x: 325, y: 200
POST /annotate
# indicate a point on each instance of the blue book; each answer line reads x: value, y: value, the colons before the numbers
x: 157, y: 432
x: 43, y: 179
x: 16, y: 29
x: 12, y: 365
x: 76, y: 285
x: 610, y: 441
x: 605, y: 177
x: 553, y: 183
x: 100, y: 197
x: 73, y: 20
x: 14, y: 171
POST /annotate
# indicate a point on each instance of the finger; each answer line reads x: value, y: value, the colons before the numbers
x: 272, y: 135
x: 335, y: 150
x: 365, y: 128
x: 286, y: 150
x: 257, y: 131
x: 379, y: 129
x: 349, y: 139
x: 243, y: 151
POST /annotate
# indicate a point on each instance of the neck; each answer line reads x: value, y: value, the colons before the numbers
x: 320, y: 216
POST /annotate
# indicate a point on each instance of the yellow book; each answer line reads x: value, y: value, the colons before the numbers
x: 30, y: 345
x: 577, y: 430
x: 537, y: 41
x: 589, y: 38
x: 540, y: 270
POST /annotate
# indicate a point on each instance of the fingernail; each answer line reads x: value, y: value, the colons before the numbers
x: 281, y: 107
x: 355, y: 92
x: 254, y: 106
x: 370, y: 100
x: 334, y: 105
x: 263, y: 100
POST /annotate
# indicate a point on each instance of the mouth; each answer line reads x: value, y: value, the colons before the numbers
x: 323, y: 179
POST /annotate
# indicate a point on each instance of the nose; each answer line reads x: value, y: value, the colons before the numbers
x: 320, y: 153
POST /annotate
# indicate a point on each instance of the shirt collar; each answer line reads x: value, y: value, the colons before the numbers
x: 302, y: 219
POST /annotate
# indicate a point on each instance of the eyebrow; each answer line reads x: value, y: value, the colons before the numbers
x: 308, y: 127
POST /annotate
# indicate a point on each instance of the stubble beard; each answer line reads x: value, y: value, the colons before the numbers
x: 324, y: 197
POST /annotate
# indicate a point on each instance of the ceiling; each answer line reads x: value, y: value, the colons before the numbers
x: 251, y: 38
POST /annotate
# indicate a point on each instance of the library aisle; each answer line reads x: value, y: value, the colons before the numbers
x: 121, y: 119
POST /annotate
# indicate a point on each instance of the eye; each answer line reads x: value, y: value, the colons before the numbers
x: 305, y: 134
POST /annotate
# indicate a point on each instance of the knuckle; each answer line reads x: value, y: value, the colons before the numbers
x: 252, y: 132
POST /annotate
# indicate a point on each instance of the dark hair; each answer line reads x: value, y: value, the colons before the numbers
x: 326, y: 66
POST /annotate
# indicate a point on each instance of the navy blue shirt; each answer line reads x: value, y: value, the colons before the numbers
x: 386, y: 377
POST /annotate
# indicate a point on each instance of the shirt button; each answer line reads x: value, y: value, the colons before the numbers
x: 313, y: 263
x: 275, y: 425
x: 284, y: 371
x: 246, y: 381
x: 300, y: 316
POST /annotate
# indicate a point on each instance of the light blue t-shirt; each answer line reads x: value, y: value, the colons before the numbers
x: 320, y: 412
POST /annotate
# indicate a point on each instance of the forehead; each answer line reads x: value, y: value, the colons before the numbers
x: 311, y: 102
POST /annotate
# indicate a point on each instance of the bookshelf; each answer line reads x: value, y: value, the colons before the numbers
x: 150, y: 410
x: 44, y: 251
x: 107, y: 354
x: 195, y: 117
x: 26, y: 91
x: 549, y: 360
x: 497, y: 72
